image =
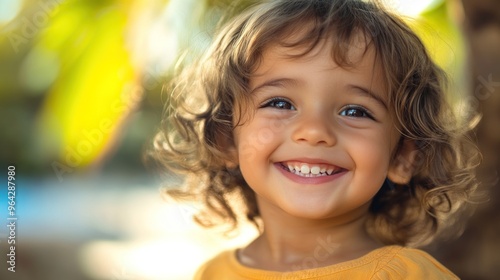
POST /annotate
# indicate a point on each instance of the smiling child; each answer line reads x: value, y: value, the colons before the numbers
x: 330, y: 122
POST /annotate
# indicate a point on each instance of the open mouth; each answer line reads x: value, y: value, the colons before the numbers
x: 310, y: 170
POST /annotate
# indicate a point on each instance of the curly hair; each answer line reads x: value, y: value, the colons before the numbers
x: 197, y: 130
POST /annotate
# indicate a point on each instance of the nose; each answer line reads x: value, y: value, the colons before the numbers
x: 314, y: 129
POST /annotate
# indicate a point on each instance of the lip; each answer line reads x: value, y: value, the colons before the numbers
x: 311, y: 161
x: 310, y: 180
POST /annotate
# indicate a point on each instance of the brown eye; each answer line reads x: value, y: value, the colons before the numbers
x: 356, y: 112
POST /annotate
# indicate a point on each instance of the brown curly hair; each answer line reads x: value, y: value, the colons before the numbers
x: 198, y: 126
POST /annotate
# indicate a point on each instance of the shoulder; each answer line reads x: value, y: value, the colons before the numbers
x: 215, y: 267
x: 408, y: 263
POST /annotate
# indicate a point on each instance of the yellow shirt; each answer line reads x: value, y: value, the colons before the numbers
x: 390, y: 262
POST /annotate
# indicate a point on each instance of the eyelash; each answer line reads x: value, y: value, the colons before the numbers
x: 349, y: 108
x: 366, y: 113
x: 273, y: 103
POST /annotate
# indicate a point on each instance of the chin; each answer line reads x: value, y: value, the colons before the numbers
x: 314, y: 212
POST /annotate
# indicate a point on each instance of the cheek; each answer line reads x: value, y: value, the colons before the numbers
x: 371, y: 153
x: 257, y: 137
x: 371, y: 157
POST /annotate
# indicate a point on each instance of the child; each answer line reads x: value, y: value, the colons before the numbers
x: 329, y: 122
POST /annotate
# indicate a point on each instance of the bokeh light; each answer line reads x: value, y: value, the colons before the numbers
x: 9, y: 10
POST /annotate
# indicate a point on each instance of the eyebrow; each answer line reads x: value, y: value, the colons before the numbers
x: 279, y: 82
x: 368, y: 93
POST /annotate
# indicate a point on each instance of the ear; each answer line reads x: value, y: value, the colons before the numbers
x: 402, y: 166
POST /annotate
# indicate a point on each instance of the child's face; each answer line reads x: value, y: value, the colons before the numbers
x: 330, y: 123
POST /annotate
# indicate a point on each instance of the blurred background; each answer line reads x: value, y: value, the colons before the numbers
x: 81, y: 98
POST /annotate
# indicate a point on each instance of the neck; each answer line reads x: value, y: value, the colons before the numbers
x: 294, y: 243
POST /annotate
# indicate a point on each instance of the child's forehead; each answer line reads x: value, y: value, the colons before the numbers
x: 359, y: 51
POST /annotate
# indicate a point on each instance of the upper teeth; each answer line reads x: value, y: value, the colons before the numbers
x: 305, y: 168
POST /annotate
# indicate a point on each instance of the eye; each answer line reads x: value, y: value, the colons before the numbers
x: 278, y: 103
x: 356, y: 112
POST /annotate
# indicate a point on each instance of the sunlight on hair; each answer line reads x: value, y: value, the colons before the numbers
x: 410, y: 7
